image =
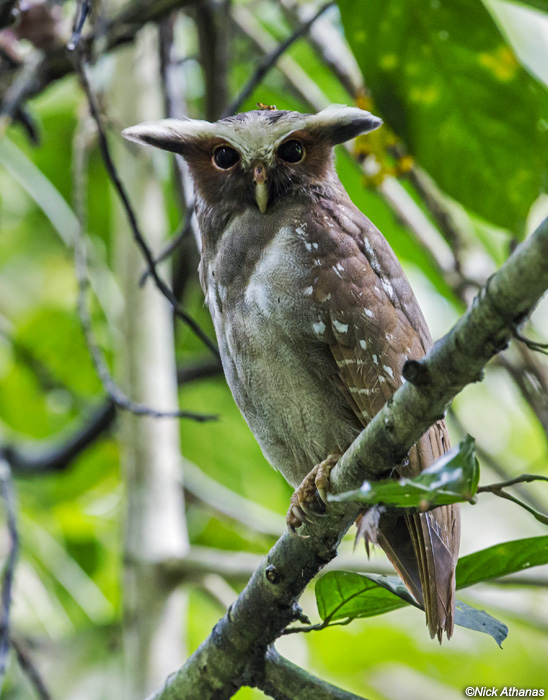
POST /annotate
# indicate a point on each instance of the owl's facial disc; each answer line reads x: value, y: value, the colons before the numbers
x: 261, y: 186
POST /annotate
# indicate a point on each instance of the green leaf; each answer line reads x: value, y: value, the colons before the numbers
x: 480, y: 621
x: 502, y: 559
x: 465, y: 615
x: 459, y: 100
x: 345, y: 594
x: 537, y: 4
x: 452, y: 478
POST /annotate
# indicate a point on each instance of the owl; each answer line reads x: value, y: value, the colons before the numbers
x: 313, y: 314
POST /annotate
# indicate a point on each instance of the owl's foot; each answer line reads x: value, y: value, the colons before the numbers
x: 311, y: 493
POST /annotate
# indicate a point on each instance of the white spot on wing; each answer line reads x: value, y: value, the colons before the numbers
x: 341, y: 327
x: 375, y: 359
x: 388, y: 288
x: 388, y: 371
x: 319, y: 327
x: 363, y: 344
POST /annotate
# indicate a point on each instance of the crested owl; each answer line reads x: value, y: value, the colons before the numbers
x: 313, y: 313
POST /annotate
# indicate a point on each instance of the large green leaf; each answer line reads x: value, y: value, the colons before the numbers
x: 452, y: 478
x: 346, y: 594
x: 445, y: 80
x: 502, y: 559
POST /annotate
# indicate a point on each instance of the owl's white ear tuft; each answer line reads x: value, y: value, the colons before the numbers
x: 339, y: 123
x: 169, y: 134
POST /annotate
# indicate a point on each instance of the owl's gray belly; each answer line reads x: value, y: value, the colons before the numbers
x: 284, y: 383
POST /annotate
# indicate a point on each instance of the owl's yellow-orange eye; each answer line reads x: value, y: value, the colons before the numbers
x: 225, y: 157
x: 291, y: 151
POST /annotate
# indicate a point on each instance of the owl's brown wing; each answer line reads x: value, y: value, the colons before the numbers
x: 372, y: 322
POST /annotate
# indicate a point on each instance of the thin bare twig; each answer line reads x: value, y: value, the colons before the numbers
x: 59, y: 454
x: 532, y: 344
x: 494, y: 465
x: 529, y: 378
x: 522, y: 479
x: 174, y: 90
x: 8, y: 497
x: 130, y: 213
x: 498, y: 490
x: 329, y: 43
x: 211, y: 21
x: 83, y: 9
x: 317, y: 628
x: 30, y: 670
x: 122, y: 28
x: 541, y: 517
x: 172, y: 245
x: 112, y: 389
x: 270, y: 60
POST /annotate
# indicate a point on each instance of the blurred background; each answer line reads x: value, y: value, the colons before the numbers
x: 137, y: 532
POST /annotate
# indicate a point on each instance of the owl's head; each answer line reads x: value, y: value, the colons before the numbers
x: 257, y: 157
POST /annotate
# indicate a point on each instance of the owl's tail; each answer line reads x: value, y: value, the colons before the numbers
x: 418, y: 549
x: 423, y: 547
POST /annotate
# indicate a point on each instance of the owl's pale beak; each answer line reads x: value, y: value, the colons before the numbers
x: 261, y: 187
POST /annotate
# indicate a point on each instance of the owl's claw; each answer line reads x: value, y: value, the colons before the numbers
x: 323, y: 495
x: 300, y: 513
x: 311, y: 493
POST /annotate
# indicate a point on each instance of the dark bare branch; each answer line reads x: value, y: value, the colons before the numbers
x: 283, y: 680
x: 270, y: 60
x: 8, y: 498
x: 130, y: 212
x: 29, y: 669
x: 119, y: 30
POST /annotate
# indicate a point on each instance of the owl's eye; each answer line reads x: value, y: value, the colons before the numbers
x: 291, y: 151
x: 225, y: 157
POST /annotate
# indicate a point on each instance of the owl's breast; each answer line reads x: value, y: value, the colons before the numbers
x: 283, y: 380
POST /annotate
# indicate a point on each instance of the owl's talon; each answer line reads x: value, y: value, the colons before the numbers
x: 323, y: 495
x: 312, y: 491
x: 300, y: 514
x: 308, y: 511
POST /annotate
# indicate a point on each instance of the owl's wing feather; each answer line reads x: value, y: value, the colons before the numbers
x: 373, y: 324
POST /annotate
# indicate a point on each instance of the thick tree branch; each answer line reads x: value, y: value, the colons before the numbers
x: 269, y: 601
x: 283, y: 680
